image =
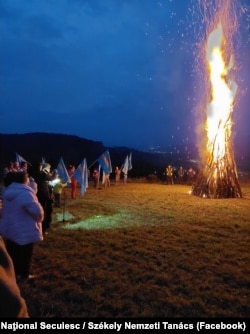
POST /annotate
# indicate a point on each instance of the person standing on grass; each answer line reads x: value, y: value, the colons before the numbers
x: 117, y: 175
x: 181, y: 174
x: 96, y: 178
x: 191, y: 175
x: 42, y: 176
x: 170, y: 174
x: 73, y: 180
x: 24, y: 168
x: 106, y: 179
x: 125, y: 177
x: 57, y: 191
x: 21, y: 223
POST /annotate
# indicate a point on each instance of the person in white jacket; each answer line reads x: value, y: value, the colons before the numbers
x: 21, y: 222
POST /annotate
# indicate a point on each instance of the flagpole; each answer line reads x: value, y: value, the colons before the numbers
x: 97, y: 160
x: 92, y: 164
x: 99, y: 172
x: 64, y: 203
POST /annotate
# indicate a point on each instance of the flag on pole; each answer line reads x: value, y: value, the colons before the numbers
x: 125, y: 166
x: 105, y: 162
x: 20, y: 159
x: 130, y: 161
x: 43, y: 162
x: 81, y: 174
x: 99, y: 173
x: 62, y: 171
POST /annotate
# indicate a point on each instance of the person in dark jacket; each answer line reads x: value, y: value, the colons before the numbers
x: 42, y: 176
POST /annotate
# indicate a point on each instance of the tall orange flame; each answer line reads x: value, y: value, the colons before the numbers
x: 219, y: 110
x: 218, y: 178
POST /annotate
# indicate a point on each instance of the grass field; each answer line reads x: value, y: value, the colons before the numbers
x: 143, y: 250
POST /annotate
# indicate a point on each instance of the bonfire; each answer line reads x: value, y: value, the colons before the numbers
x: 218, y: 176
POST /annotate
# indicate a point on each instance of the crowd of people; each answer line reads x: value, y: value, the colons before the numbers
x: 26, y: 213
x: 21, y: 226
x: 28, y: 195
x: 26, y: 205
x: 27, y: 200
x: 179, y: 176
x: 106, y: 178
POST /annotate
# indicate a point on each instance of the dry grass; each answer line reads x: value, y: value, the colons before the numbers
x: 144, y: 250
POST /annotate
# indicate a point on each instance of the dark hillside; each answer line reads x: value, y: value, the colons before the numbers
x: 34, y: 146
x: 73, y: 149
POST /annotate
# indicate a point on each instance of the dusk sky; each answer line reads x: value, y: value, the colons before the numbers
x: 123, y: 72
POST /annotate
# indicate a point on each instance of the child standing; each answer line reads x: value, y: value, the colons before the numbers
x: 73, y: 180
x: 57, y: 192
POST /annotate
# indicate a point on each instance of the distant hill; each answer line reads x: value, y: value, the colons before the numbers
x: 34, y: 146
x: 73, y: 149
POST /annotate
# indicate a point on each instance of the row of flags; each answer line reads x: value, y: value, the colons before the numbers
x: 81, y: 172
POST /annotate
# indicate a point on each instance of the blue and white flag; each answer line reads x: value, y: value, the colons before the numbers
x: 20, y: 159
x: 105, y: 162
x: 43, y: 162
x: 125, y: 166
x: 130, y: 161
x: 62, y: 171
x: 81, y: 175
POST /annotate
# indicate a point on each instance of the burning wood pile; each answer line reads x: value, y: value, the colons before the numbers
x: 218, y: 178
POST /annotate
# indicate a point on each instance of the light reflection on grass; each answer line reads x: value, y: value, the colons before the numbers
x: 64, y: 216
x: 99, y: 222
x: 170, y: 255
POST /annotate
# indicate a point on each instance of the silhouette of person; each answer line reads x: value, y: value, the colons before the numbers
x: 191, y: 175
x: 96, y: 178
x: 169, y: 174
x: 73, y: 180
x: 106, y: 180
x: 181, y: 174
x: 42, y: 176
x: 117, y: 175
